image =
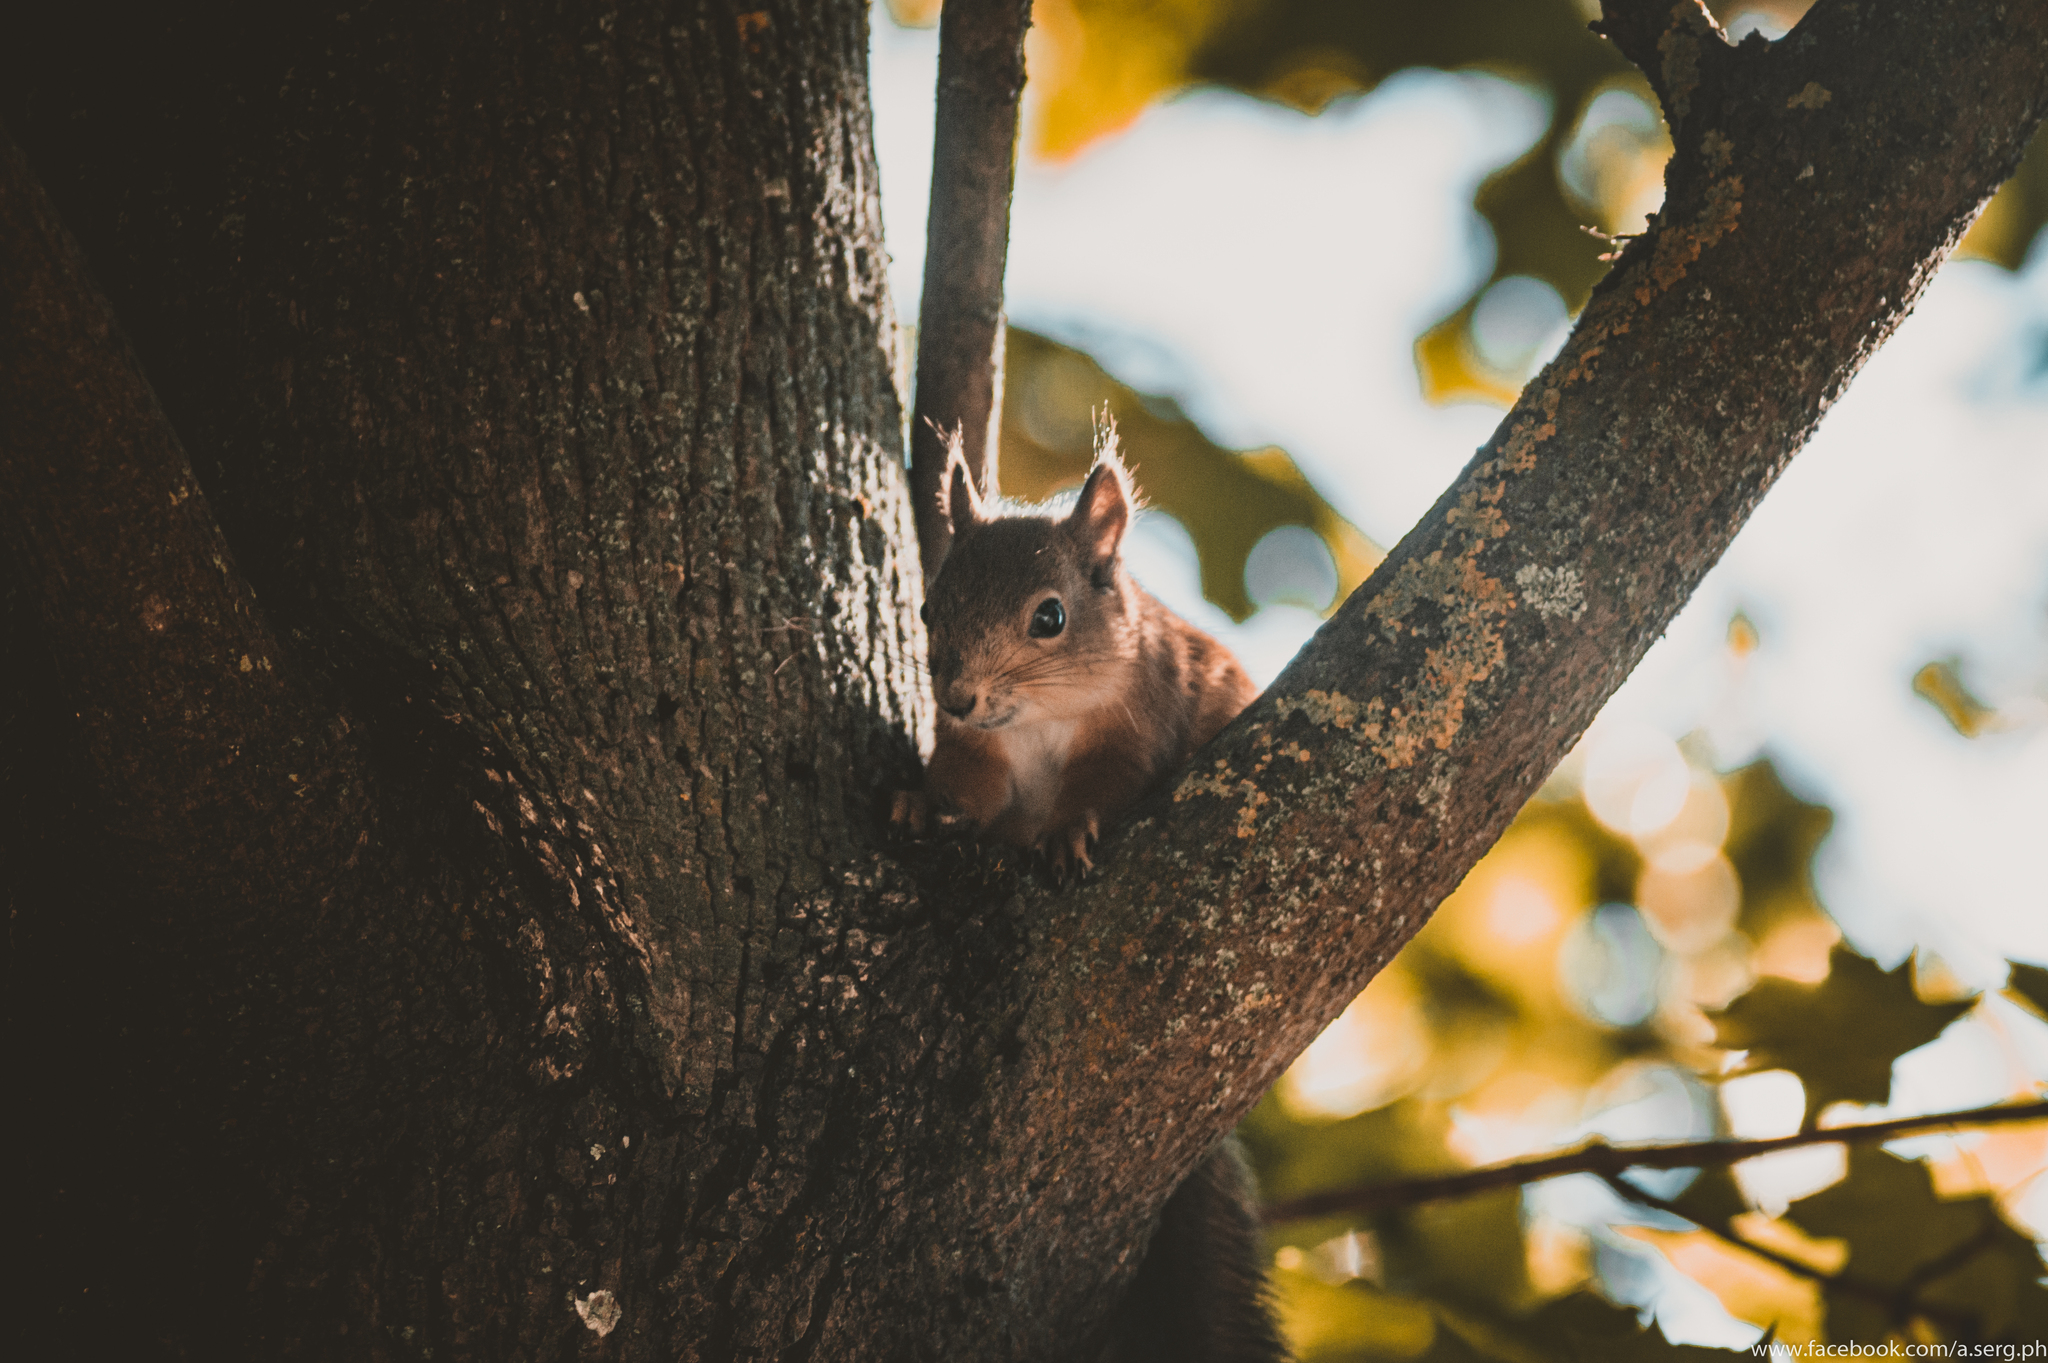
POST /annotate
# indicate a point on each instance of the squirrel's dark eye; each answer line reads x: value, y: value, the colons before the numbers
x: 1049, y: 619
x: 924, y: 613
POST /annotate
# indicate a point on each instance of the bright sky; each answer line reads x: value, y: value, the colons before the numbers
x: 1270, y: 271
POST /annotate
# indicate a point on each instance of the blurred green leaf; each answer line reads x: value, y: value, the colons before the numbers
x: 1617, y: 864
x: 1468, y: 1251
x: 2029, y: 982
x: 1602, y: 1330
x: 1940, y: 683
x: 1578, y: 1328
x: 1712, y: 1199
x: 1772, y: 834
x: 1352, y: 1322
x: 1839, y: 1036
x: 1955, y: 1260
x: 2013, y: 219
x: 1451, y: 1347
x: 1294, y: 1157
x: 1999, y: 1287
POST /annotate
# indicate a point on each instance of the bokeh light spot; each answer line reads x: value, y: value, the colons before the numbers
x: 1689, y: 895
x: 1610, y: 965
x: 1514, y: 320
x: 1702, y: 819
x: 1520, y: 910
x: 1613, y: 162
x: 1636, y: 779
x: 1291, y: 565
x: 1372, y: 1054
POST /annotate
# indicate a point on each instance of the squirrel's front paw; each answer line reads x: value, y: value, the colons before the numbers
x: 1067, y: 848
x: 911, y: 812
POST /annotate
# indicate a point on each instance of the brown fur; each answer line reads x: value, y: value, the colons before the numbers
x: 1043, y: 742
x: 1200, y: 1294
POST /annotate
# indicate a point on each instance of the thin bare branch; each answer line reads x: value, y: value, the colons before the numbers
x: 1798, y: 1268
x: 967, y: 241
x: 1611, y: 1161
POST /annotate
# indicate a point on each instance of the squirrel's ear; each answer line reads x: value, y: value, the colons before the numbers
x: 958, y: 498
x: 1103, y: 512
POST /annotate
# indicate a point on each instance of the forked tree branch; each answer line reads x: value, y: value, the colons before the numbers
x: 967, y: 241
x: 1612, y: 1161
x: 210, y: 744
x: 1817, y: 184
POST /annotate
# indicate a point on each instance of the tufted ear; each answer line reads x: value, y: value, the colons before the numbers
x: 959, y: 501
x: 1105, y: 507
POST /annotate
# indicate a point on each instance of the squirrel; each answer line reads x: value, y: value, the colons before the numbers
x: 1066, y: 692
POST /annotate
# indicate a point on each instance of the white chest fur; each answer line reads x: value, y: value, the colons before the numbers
x: 1036, y: 754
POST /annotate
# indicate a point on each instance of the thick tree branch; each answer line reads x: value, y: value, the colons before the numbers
x: 206, y: 739
x: 1817, y: 185
x: 1615, y: 1160
x: 967, y: 240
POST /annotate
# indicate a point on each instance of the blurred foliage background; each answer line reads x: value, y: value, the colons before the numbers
x: 1644, y: 955
x: 1608, y: 971
x: 1095, y: 65
x: 1228, y: 500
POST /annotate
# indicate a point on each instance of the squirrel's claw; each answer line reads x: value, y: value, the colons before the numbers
x: 1069, y: 848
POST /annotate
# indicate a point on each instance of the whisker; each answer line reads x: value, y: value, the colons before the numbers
x: 1061, y: 676
x: 1057, y: 663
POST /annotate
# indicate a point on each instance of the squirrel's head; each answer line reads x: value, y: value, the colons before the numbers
x: 1031, y: 614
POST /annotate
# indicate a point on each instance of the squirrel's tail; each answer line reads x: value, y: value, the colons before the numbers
x: 1200, y: 1295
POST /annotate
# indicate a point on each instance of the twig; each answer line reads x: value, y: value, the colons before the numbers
x: 1618, y: 240
x: 1799, y: 1268
x: 1603, y: 1159
x: 967, y: 241
x: 1899, y: 1304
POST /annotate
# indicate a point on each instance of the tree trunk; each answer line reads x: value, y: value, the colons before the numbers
x: 539, y: 373
x: 442, y: 830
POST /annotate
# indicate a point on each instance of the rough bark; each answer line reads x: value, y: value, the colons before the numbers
x: 538, y: 370
x: 535, y: 367
x: 967, y: 244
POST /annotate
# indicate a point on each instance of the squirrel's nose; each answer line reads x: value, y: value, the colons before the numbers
x: 959, y: 711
